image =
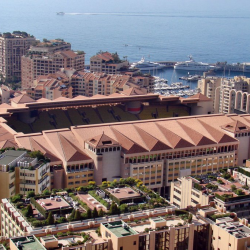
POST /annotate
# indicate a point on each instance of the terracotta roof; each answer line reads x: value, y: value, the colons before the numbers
x: 133, y: 91
x: 68, y: 53
x: 5, y: 106
x: 43, y: 100
x: 236, y: 127
x: 201, y: 97
x: 23, y: 98
x: 102, y: 140
x: 8, y: 144
x: 106, y: 56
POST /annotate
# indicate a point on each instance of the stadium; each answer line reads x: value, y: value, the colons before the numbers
x: 50, y: 127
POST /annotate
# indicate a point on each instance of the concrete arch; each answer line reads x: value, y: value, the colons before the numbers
x: 232, y: 100
x: 248, y: 104
x: 238, y: 100
x: 244, y: 101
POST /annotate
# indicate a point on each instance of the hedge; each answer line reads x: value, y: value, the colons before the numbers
x: 97, y: 197
x: 39, y: 207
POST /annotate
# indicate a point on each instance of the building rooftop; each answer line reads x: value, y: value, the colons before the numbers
x: 8, y: 156
x: 119, y: 228
x: 2, y: 247
x: 29, y: 242
x: 157, y: 219
x: 53, y: 203
x: 235, y: 228
x: 124, y: 193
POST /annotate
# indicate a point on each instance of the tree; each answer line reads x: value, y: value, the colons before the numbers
x: 72, y: 215
x: 46, y: 192
x: 100, y: 213
x: 50, y: 219
x: 233, y: 187
x: 123, y: 208
x: 190, y: 217
x: 94, y: 213
x: 113, y: 209
x: 77, y: 215
x: 30, y: 194
x: 89, y: 214
x: 29, y: 211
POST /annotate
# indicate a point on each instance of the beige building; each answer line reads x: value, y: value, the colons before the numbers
x: 46, y: 47
x: 12, y: 48
x: 184, y: 194
x: 229, y: 234
x: 20, y: 174
x: 229, y: 95
x: 108, y: 63
x: 51, y: 87
x: 34, y: 65
x: 190, y: 237
x: 209, y: 87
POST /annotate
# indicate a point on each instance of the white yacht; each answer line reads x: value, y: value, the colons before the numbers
x: 146, y: 65
x: 193, y: 65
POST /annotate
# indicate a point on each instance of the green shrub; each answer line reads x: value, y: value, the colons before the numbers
x: 37, y: 223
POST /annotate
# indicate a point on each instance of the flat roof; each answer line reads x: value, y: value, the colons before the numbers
x: 119, y: 228
x: 124, y: 193
x: 157, y: 219
x: 52, y: 204
x: 235, y: 228
x: 29, y: 242
x: 8, y: 156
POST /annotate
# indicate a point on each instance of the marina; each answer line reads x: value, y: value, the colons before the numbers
x: 177, y: 88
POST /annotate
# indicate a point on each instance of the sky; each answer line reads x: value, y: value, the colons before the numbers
x: 129, y: 5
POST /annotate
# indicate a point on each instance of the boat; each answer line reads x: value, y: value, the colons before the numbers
x: 193, y: 65
x: 146, y: 65
x: 191, y: 78
x: 60, y: 13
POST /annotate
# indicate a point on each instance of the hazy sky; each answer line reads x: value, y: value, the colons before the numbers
x: 130, y: 5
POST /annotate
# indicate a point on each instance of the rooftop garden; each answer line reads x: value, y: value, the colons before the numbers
x: 214, y: 217
x: 15, y: 34
x: 38, y: 216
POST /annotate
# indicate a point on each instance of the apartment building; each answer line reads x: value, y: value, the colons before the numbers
x: 20, y: 174
x: 51, y: 87
x: 72, y: 83
x: 229, y: 95
x: 210, y: 87
x: 230, y: 234
x: 184, y: 193
x: 12, y: 48
x: 108, y: 63
x: 34, y: 65
x: 46, y: 47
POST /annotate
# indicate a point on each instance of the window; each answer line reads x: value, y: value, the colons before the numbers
x: 134, y: 243
x: 121, y: 248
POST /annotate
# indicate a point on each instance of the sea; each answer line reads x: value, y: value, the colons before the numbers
x: 160, y: 30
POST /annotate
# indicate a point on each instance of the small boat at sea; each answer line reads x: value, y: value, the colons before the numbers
x: 60, y: 13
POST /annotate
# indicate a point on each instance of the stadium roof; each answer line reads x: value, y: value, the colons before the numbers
x: 68, y: 145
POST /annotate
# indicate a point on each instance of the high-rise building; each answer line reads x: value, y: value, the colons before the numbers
x: 12, y: 48
x: 106, y: 62
x: 229, y: 95
x: 34, y: 65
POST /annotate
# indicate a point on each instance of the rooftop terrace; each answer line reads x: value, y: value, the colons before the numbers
x: 29, y: 242
x: 119, y: 228
x: 53, y: 203
x: 124, y: 193
x: 235, y: 228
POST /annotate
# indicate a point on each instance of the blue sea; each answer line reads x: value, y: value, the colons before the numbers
x: 160, y: 30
